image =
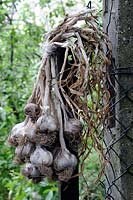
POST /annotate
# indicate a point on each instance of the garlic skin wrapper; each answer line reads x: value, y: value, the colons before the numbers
x: 12, y: 141
x: 32, y: 110
x: 73, y: 126
x: 46, y: 139
x: 19, y: 161
x: 65, y: 175
x: 65, y: 159
x: 47, y: 123
x: 46, y: 171
x: 24, y: 150
x: 73, y: 133
x: 41, y: 157
x: 30, y: 171
x: 17, y: 134
x: 31, y: 130
x: 22, y: 133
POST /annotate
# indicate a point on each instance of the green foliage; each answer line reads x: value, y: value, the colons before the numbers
x: 89, y: 187
x: 21, y: 36
x: 23, y: 189
x: 18, y: 65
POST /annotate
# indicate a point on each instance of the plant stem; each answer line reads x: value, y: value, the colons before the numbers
x: 47, y: 87
x: 59, y: 102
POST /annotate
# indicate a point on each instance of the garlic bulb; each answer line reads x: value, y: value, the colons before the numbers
x: 46, y: 171
x: 17, y: 134
x: 24, y: 150
x: 30, y: 130
x: 74, y: 143
x: 47, y: 123
x: 46, y: 139
x: 65, y: 175
x: 65, y: 159
x: 30, y: 171
x: 12, y: 141
x: 73, y: 126
x: 32, y: 110
x: 41, y: 157
x: 17, y: 160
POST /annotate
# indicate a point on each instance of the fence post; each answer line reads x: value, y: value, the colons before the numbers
x: 67, y: 190
x: 70, y: 190
x: 118, y: 23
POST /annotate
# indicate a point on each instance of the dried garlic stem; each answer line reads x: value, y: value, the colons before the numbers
x: 85, y: 59
x: 40, y: 76
x: 59, y: 102
x: 47, y: 87
x: 61, y: 137
x: 64, y: 64
x: 41, y: 86
x: 56, y: 89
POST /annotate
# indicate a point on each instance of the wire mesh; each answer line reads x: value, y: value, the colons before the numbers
x: 116, y: 135
x: 118, y: 166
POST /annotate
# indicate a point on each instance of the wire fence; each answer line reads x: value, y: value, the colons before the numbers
x: 117, y: 136
x: 117, y: 131
x: 117, y: 139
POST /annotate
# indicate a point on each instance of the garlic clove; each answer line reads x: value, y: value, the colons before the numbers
x: 47, y: 123
x: 65, y: 159
x: 30, y: 171
x: 24, y: 150
x: 41, y: 157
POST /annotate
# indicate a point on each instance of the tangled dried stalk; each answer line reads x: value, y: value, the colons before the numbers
x: 66, y: 106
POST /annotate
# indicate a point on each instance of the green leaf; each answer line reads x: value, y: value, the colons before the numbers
x: 49, y: 196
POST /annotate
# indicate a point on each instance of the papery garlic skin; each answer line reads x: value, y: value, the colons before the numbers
x: 46, y: 139
x: 47, y: 123
x: 30, y: 171
x: 41, y: 157
x: 32, y: 110
x: 19, y: 161
x: 12, y: 141
x: 65, y: 175
x: 17, y: 134
x: 24, y: 150
x: 73, y: 126
x: 65, y: 159
x: 30, y: 130
x: 46, y: 171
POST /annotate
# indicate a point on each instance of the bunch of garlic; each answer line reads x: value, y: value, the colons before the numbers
x: 47, y: 127
x: 73, y: 65
x: 37, y: 138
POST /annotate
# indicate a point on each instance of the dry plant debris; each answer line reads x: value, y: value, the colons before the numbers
x: 66, y: 106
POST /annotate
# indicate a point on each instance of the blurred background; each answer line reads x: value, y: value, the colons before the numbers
x: 23, y: 25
